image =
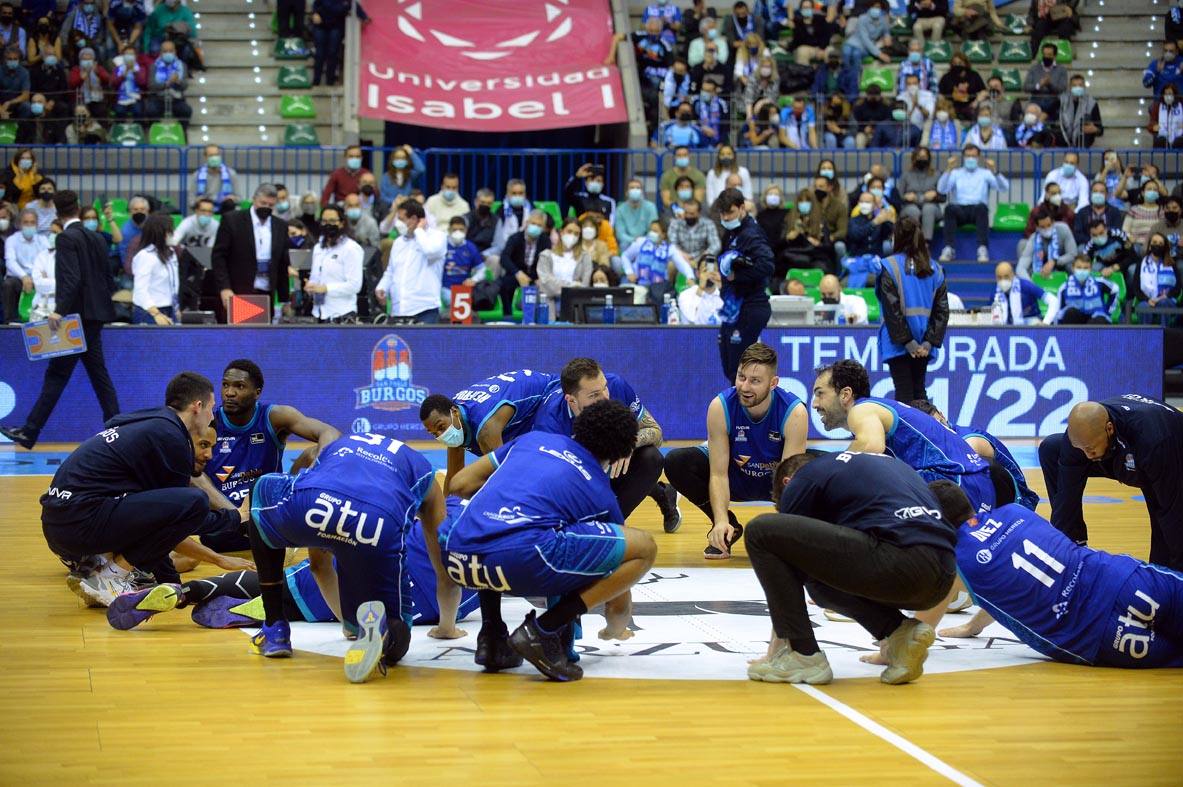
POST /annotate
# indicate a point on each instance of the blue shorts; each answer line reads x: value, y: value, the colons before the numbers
x: 1147, y: 626
x: 540, y: 562
x: 366, y: 571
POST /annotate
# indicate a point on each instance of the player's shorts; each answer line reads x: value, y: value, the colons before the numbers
x: 1147, y: 626
x: 743, y: 487
x: 540, y: 561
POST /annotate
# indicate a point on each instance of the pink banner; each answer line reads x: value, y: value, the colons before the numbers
x: 489, y: 65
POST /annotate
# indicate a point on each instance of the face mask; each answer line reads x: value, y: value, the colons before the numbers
x: 139, y: 218
x: 1048, y: 61
x: 399, y: 163
x: 86, y: 65
x: 308, y: 209
x: 88, y: 8
x: 764, y: 72
x: 865, y: 208
x: 168, y: 57
x: 914, y: 57
x: 807, y: 13
x: 570, y: 239
x: 353, y: 162
x: 1169, y: 56
x: 706, y: 98
x: 46, y: 196
x: 1067, y: 170
x: 28, y: 232
x: 448, y: 195
x: 353, y: 214
x: 654, y: 237
x: 920, y: 164
x: 830, y: 300
x: 685, y: 194
x: 898, y: 115
x: 400, y: 227
x: 91, y: 224
x: 712, y: 34
x: 589, y: 233
x: 517, y: 201
x: 595, y: 187
x: 482, y: 210
x: 214, y: 161
x: 1172, y: 215
x: 828, y: 174
x: 1081, y: 274
x: 1077, y: 90
x: 36, y: 107
x: 263, y: 213
x: 1005, y: 284
x: 457, y: 237
x: 1150, y: 196
x: 875, y: 13
x: 1158, y: 250
x: 984, y: 121
x: 691, y: 222
x: 1168, y: 98
x: 203, y: 221
x: 772, y: 200
x: 726, y: 161
x: 532, y: 231
x: 51, y: 61
x: 12, y: 64
x: 682, y: 162
x: 452, y: 437
x: 821, y: 195
x: 634, y: 195
x: 804, y: 207
x: 912, y: 90
x: 971, y: 164
x: 367, y: 190
x: 1047, y: 233
x: 1097, y: 198
x: 1029, y: 119
x: 942, y: 116
x: 26, y: 164
x: 730, y: 224
x: 1056, y: 199
x: 4, y: 225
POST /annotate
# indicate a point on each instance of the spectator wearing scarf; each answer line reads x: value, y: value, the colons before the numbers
x: 87, y: 80
x: 215, y: 178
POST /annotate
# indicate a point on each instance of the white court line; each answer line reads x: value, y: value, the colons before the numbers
x: 900, y: 742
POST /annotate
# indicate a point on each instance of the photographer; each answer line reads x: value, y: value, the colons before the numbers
x: 584, y: 192
x: 701, y: 304
x: 745, y: 267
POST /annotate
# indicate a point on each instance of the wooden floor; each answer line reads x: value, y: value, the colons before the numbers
x: 175, y: 704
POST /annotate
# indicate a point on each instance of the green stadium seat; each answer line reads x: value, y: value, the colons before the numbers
x: 297, y: 108
x: 118, y: 205
x: 680, y: 283
x: 166, y: 132
x: 495, y: 208
x: 901, y: 27
x: 1015, y: 52
x: 872, y: 301
x: 1011, y: 79
x: 25, y: 305
x: 810, y: 277
x: 1011, y: 216
x: 978, y: 51
x: 517, y: 307
x: 881, y: 76
x: 127, y: 134
x: 7, y: 132
x: 815, y: 293
x: 300, y: 135
x: 177, y: 219
x: 1015, y: 24
x: 1064, y: 53
x: 117, y: 219
x: 275, y: 23
x: 1050, y: 283
x: 291, y: 49
x: 552, y: 208
x: 1117, y: 278
x: 294, y: 78
x: 939, y: 51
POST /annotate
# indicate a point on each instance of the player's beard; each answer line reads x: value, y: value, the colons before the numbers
x: 756, y: 402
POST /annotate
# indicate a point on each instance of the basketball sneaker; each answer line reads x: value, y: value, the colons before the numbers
x: 544, y: 651
x: 712, y: 552
x: 493, y: 651
x: 364, y: 656
x: 100, y: 589
x: 229, y: 613
x: 961, y: 603
x: 273, y: 641
x: 788, y: 666
x: 907, y: 649
x: 666, y: 498
x: 131, y: 609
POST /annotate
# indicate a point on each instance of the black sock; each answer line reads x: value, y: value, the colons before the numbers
x: 269, y: 563
x: 806, y: 647
x: 490, y: 609
x: 566, y: 610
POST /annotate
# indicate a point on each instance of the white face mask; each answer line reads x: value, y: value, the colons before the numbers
x: 1005, y: 284
x: 765, y: 72
x: 588, y: 233
x: 458, y: 237
x: 1030, y: 118
x: 865, y: 208
x: 942, y: 116
x: 1056, y: 199
x: 773, y: 200
x: 1047, y: 233
x: 570, y: 239
x: 400, y: 227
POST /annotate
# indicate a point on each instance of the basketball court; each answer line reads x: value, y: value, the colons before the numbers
x: 174, y: 703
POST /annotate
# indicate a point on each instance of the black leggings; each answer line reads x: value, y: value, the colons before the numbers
x: 752, y: 319
x: 634, y: 486
x: 908, y: 376
x: 1074, y: 316
x: 689, y: 471
x: 236, y: 584
x: 844, y: 569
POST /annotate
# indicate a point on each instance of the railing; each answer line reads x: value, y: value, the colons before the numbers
x: 112, y: 171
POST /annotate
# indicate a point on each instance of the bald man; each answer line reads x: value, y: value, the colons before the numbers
x: 1021, y: 297
x: 854, y: 308
x: 1132, y: 439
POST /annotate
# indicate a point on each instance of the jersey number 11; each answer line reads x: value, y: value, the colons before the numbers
x: 1026, y: 565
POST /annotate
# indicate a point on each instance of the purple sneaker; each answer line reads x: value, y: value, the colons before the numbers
x: 229, y: 613
x: 129, y: 610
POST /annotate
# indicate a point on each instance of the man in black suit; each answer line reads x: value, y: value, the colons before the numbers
x: 250, y: 254
x: 84, y: 287
x: 519, y: 259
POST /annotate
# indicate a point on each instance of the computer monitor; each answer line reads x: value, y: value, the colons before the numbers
x: 629, y: 314
x: 788, y: 310
x: 573, y: 297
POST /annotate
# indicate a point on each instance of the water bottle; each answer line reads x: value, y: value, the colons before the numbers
x: 665, y: 309
x: 840, y: 316
x: 542, y: 312
x: 671, y: 316
x: 998, y: 309
x: 609, y: 311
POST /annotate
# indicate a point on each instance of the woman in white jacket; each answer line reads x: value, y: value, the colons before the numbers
x: 336, y: 276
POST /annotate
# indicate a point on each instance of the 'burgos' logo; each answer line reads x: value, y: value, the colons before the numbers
x: 390, y: 388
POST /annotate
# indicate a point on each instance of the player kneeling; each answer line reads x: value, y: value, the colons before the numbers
x: 543, y: 521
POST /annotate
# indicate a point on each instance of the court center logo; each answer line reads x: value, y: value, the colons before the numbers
x: 390, y: 387
x: 550, y: 23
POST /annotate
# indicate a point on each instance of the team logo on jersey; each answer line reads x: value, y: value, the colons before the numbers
x: 742, y: 460
x: 984, y: 556
x: 227, y: 471
x: 494, y: 388
x: 1129, y: 463
x: 775, y: 437
x: 257, y: 438
x: 741, y: 434
x: 225, y: 444
x: 510, y: 516
x: 390, y: 387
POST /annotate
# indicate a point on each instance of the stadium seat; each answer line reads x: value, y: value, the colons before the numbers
x: 127, y: 134
x: 300, y: 135
x: 810, y: 277
x: 495, y: 208
x: 177, y: 219
x: 869, y: 297
x: 1064, y: 53
x: 118, y: 205
x: 517, y: 314
x: 297, y: 108
x: 1011, y: 216
x: 877, y: 76
x: 291, y: 49
x: 1015, y: 52
x: 1050, y: 283
x: 294, y: 78
x: 1015, y: 24
x: 978, y: 51
x: 939, y: 51
x: 1117, y: 278
x: 25, y: 305
x: 7, y: 132
x: 166, y: 132
x: 1011, y: 79
x: 552, y: 208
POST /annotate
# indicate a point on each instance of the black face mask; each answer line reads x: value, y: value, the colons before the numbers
x: 1158, y: 250
x: 1048, y: 61
x: 263, y: 213
x: 482, y: 210
x: 47, y: 195
x: 228, y: 206
x: 139, y: 218
x: 684, y: 116
x: 821, y: 195
x: 831, y: 301
x: 921, y: 164
x: 726, y: 161
x: 330, y: 231
x: 691, y: 222
x: 368, y: 190
x: 1172, y: 216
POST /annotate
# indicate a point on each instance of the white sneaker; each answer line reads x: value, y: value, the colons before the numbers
x: 983, y: 254
x: 835, y: 616
x: 960, y: 603
x: 907, y: 649
x: 947, y: 254
x: 99, y: 590
x: 788, y: 666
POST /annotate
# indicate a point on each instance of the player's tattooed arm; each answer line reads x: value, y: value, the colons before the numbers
x: 648, y: 431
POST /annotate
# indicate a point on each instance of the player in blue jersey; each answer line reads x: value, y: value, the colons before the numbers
x: 1068, y: 602
x: 863, y: 533
x: 582, y: 383
x: 989, y: 448
x: 485, y: 415
x: 842, y: 397
x: 543, y: 521
x: 751, y: 428
x: 358, y: 502
x: 1132, y: 439
x: 251, y: 440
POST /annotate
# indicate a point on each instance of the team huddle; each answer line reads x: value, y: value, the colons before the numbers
x: 911, y: 516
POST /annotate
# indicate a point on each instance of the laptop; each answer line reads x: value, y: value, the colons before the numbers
x: 790, y: 310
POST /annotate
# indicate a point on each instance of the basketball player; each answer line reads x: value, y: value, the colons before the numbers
x: 842, y: 397
x: 357, y: 502
x: 989, y: 448
x: 751, y: 428
x: 1133, y: 439
x: 485, y: 415
x: 543, y: 521
x: 581, y: 383
x: 863, y: 533
x: 251, y: 439
x: 1068, y: 602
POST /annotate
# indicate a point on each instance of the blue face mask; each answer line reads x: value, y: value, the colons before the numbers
x: 353, y: 162
x: 353, y: 214
x: 971, y: 164
x: 1077, y: 90
x: 51, y: 61
x: 28, y: 232
x: 452, y: 437
x: 682, y: 161
x: 804, y: 207
x: 984, y: 121
x: 168, y: 57
x: 875, y: 13
x: 91, y: 224
x: 203, y: 221
x: 914, y: 57
x: 448, y: 195
x: 36, y: 107
x: 807, y: 13
x: 1067, y: 170
x: 517, y: 201
x: 594, y: 187
x: 533, y: 230
x: 400, y: 163
x: 730, y: 224
x: 1081, y: 274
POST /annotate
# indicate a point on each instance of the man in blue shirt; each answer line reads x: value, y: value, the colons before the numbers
x: 1167, y: 70
x: 463, y: 262
x: 633, y: 215
x: 543, y: 521
x: 968, y: 188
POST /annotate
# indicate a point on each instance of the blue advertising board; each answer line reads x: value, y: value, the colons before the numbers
x: 1013, y: 382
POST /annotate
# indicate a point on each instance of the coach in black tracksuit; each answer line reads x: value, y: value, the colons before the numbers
x: 746, y: 265
x: 1135, y: 440
x: 126, y: 490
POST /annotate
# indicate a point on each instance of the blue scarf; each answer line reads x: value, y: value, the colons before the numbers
x: 165, y: 70
x: 652, y: 263
x: 1086, y: 297
x: 1156, y: 279
x: 943, y: 136
x: 129, y: 91
x: 203, y: 181
x: 83, y: 25
x: 1023, y: 133
x: 1044, y: 249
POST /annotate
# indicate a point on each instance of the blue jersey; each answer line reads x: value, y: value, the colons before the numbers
x: 756, y: 446
x: 244, y: 453
x: 541, y: 481
x: 936, y: 452
x: 306, y: 593
x: 523, y: 390
x: 554, y: 414
x: 1055, y: 596
x: 1002, y: 455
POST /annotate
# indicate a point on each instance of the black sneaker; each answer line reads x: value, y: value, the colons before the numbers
x: 20, y: 435
x: 712, y: 552
x: 666, y: 498
x: 544, y: 651
x: 493, y: 651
